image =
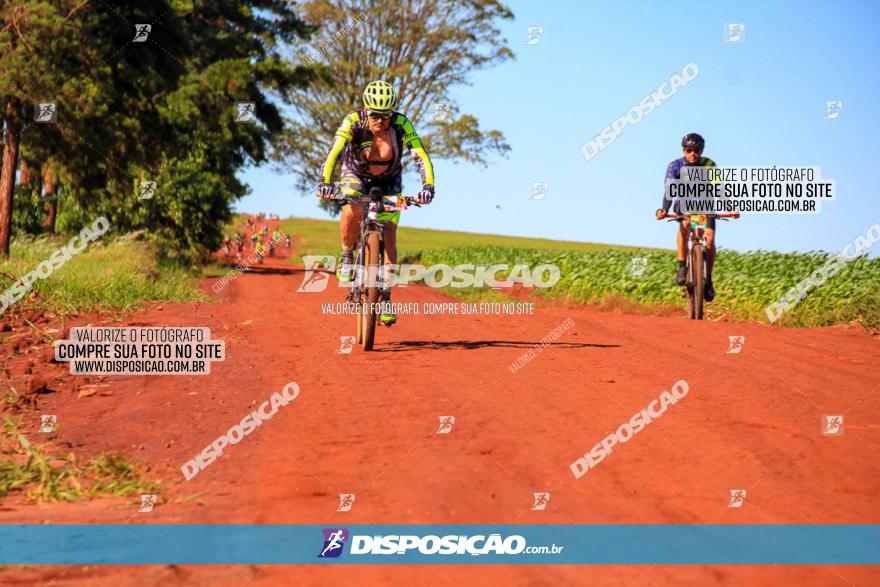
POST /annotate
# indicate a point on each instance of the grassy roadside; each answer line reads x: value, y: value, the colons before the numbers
x: 110, y: 275
x: 28, y: 468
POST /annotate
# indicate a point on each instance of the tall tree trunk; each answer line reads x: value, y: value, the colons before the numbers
x: 50, y: 183
x: 7, y: 173
x: 24, y: 174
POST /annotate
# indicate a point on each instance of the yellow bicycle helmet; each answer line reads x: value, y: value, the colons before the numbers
x: 379, y: 96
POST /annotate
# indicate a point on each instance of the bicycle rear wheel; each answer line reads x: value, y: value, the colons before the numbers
x: 698, y: 270
x: 370, y: 291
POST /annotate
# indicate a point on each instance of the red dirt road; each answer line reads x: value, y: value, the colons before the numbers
x: 366, y: 423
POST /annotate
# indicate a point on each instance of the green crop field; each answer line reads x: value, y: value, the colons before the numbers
x: 322, y: 237
x: 745, y: 283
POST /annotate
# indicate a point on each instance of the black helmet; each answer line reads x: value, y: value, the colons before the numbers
x: 693, y: 140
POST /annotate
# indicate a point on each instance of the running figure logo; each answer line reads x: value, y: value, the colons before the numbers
x: 541, y: 500
x: 637, y: 266
x: 148, y: 190
x: 535, y: 33
x: 832, y: 109
x: 346, y: 343
x: 47, y: 423
x: 314, y: 280
x: 737, y: 497
x: 45, y: 112
x: 832, y: 425
x: 441, y: 112
x: 334, y: 540
x: 346, y: 500
x: 446, y: 423
x: 147, y: 503
x: 540, y: 189
x: 141, y: 32
x: 735, y: 32
x: 245, y: 111
x: 735, y: 344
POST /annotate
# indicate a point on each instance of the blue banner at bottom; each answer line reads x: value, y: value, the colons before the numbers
x: 95, y: 544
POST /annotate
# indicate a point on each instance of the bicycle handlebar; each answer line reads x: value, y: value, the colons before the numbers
x: 410, y: 200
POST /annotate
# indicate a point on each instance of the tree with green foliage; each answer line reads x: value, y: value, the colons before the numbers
x: 425, y: 48
x: 158, y: 109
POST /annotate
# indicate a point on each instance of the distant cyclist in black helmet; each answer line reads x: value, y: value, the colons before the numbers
x: 692, y: 146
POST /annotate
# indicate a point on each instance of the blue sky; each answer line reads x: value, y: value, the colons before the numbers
x: 758, y: 103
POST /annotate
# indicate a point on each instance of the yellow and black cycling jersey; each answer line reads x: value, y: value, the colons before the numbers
x: 353, y: 140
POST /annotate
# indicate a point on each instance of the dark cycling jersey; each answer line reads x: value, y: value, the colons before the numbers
x: 354, y: 139
x: 673, y: 172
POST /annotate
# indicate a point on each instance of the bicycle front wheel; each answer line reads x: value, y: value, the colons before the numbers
x: 698, y: 269
x: 370, y: 291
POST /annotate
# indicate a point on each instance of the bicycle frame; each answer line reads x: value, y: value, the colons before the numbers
x: 693, y: 287
x: 374, y: 205
x: 369, y: 277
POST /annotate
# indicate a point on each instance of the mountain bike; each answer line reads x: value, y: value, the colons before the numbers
x: 694, y: 287
x: 370, y: 249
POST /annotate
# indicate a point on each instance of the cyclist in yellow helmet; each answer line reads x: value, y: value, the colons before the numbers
x: 371, y: 141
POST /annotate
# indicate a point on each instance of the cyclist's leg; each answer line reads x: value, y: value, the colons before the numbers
x: 392, y: 188
x: 351, y: 214
x: 389, y: 230
x: 710, y: 245
x: 349, y: 225
x: 710, y: 259
x: 684, y: 234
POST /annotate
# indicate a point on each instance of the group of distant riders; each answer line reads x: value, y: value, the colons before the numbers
x: 261, y: 242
